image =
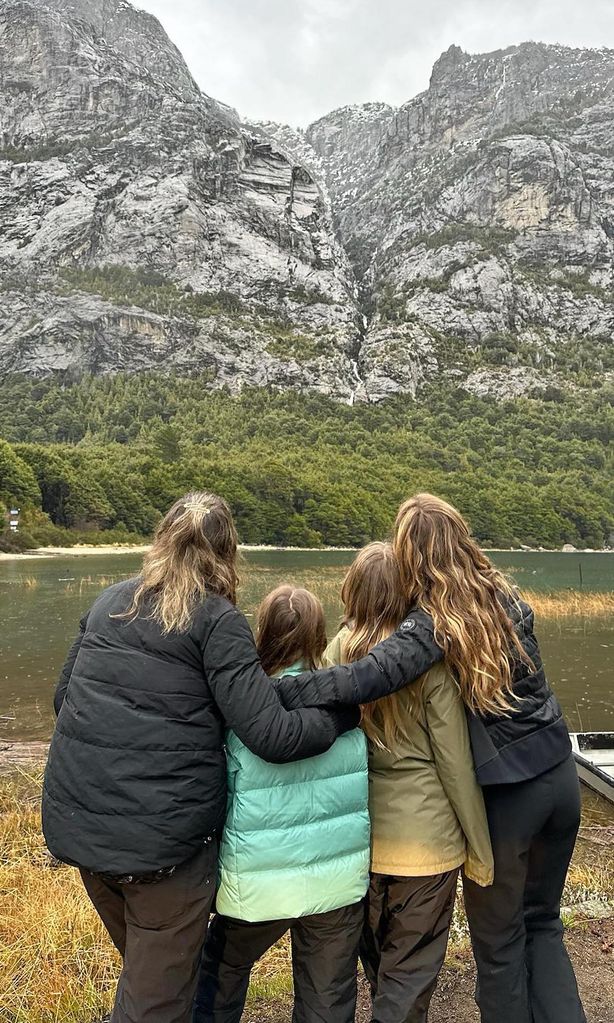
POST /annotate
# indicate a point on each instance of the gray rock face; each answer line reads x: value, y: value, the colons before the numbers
x: 466, y: 235
x: 479, y: 221
x: 142, y: 225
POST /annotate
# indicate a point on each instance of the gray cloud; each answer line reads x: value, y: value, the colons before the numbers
x: 294, y: 60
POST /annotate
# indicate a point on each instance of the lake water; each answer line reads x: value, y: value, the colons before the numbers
x: 43, y: 599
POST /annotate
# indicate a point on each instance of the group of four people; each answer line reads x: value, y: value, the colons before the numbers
x: 189, y: 758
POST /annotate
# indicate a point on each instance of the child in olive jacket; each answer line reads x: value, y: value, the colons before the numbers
x: 295, y: 850
x: 427, y: 811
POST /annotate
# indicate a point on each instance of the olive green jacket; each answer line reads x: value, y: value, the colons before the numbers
x: 427, y: 810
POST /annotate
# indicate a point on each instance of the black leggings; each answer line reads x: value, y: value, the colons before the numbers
x: 524, y: 972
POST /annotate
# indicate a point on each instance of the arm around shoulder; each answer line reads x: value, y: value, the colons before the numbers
x: 249, y: 702
x: 390, y: 666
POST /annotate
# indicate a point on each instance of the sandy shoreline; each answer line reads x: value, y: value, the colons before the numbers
x: 77, y: 551
x: 83, y: 550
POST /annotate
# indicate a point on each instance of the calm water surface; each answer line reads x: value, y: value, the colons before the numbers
x: 42, y: 601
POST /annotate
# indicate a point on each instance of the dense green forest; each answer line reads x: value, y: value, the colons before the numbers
x: 102, y: 458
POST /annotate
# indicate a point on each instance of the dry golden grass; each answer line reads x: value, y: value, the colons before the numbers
x: 587, y: 881
x: 326, y: 583
x: 571, y: 603
x: 57, y: 964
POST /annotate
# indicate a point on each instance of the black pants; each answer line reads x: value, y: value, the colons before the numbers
x: 159, y: 930
x: 324, y: 965
x: 524, y: 972
x: 407, y: 923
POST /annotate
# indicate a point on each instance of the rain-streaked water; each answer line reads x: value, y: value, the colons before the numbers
x: 42, y: 600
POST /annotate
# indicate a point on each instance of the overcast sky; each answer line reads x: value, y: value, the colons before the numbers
x: 294, y: 60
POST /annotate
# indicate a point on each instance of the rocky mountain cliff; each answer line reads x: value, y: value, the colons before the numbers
x: 479, y: 218
x: 141, y: 224
x: 466, y: 235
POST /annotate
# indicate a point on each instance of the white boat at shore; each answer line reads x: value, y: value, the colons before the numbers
x: 594, y: 756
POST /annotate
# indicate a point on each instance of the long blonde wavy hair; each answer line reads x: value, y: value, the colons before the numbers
x: 374, y: 605
x: 194, y: 552
x: 444, y: 572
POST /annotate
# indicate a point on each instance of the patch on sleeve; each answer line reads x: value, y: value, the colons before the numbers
x: 408, y: 625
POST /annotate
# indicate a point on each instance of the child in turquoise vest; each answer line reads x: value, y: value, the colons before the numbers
x: 295, y: 850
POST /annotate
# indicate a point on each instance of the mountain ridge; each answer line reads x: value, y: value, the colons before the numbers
x: 465, y: 235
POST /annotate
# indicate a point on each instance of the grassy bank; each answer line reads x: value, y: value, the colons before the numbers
x: 58, y: 966
x: 101, y: 544
x: 571, y: 603
x: 55, y: 960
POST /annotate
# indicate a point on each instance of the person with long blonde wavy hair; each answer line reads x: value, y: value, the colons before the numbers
x: 523, y: 761
x: 427, y: 811
x: 445, y: 572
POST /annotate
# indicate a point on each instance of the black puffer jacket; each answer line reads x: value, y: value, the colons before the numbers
x: 530, y: 740
x: 136, y: 776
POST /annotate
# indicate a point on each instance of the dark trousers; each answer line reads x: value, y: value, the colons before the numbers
x: 407, y: 923
x: 159, y: 930
x: 524, y: 972
x: 324, y: 965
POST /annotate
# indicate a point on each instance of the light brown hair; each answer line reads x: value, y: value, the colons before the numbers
x: 291, y: 628
x: 194, y: 552
x: 374, y: 604
x: 444, y: 572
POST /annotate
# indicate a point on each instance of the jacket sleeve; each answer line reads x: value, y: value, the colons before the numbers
x: 449, y: 735
x: 250, y: 705
x: 390, y: 666
x: 64, y: 679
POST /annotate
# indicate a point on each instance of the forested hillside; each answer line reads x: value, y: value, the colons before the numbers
x: 299, y: 469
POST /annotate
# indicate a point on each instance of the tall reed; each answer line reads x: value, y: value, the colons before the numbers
x: 571, y: 603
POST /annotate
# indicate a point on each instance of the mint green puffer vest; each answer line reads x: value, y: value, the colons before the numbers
x: 296, y: 839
